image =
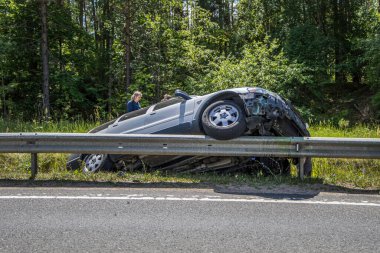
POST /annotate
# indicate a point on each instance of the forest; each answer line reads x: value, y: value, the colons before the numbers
x: 82, y: 59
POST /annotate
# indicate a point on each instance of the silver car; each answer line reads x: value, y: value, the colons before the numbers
x: 223, y: 115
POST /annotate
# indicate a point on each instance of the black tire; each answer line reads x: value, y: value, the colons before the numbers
x: 275, y: 166
x: 73, y: 162
x: 97, y: 162
x: 285, y: 166
x: 231, y: 123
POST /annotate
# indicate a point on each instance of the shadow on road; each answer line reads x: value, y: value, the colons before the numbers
x: 292, y: 192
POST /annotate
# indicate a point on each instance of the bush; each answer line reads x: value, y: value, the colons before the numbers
x: 262, y: 64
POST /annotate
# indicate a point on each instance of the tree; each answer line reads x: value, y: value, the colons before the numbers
x: 45, y: 60
x: 127, y: 43
x: 91, y: 54
x: 261, y: 65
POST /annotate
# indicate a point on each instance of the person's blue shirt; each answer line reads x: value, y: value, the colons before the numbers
x: 133, y: 106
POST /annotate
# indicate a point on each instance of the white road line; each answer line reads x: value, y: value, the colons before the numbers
x: 204, y: 199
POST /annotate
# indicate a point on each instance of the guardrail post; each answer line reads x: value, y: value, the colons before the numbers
x: 301, y: 170
x: 33, y: 165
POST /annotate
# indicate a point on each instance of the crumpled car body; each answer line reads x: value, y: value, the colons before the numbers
x: 226, y: 114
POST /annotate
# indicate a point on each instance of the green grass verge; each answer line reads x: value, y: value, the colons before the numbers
x: 51, y: 167
x: 351, y: 173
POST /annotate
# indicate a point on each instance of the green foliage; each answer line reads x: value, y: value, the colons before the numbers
x: 373, y: 57
x: 308, y: 52
x: 372, y: 70
x: 308, y: 45
x: 262, y: 64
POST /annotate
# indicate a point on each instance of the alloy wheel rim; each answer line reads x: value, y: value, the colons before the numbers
x: 93, y: 162
x: 224, y: 116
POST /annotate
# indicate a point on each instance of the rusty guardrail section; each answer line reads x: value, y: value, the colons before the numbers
x: 197, y: 145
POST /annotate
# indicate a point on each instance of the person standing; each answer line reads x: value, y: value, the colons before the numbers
x: 166, y: 97
x: 134, y: 104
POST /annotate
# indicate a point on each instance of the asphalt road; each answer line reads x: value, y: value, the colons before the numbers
x: 185, y: 220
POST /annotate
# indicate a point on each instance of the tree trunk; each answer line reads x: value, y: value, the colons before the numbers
x: 178, y: 16
x: 81, y: 10
x: 127, y: 44
x: 231, y: 12
x: 60, y: 42
x: 188, y: 14
x: 3, y: 93
x: 110, y: 72
x: 109, y: 44
x: 322, y: 21
x: 45, y: 62
x: 95, y: 20
x: 339, y: 75
x: 85, y: 16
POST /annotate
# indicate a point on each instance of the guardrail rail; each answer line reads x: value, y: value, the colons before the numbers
x: 192, y: 145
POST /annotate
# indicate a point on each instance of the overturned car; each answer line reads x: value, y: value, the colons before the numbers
x: 223, y: 115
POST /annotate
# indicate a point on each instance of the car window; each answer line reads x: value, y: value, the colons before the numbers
x: 167, y: 103
x: 133, y: 114
x: 102, y: 127
x: 126, y: 116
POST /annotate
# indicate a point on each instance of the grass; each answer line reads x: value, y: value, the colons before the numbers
x: 358, y: 173
x: 357, y: 131
x: 79, y: 126
x: 351, y: 173
x: 51, y: 168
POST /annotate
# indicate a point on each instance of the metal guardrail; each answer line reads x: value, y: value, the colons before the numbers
x: 194, y: 145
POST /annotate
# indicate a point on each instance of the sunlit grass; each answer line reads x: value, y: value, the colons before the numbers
x: 358, y: 173
x: 356, y: 131
x: 52, y: 167
x: 79, y: 126
x: 353, y: 173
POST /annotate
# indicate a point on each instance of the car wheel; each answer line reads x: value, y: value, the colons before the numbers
x: 275, y: 166
x: 223, y: 120
x: 96, y: 162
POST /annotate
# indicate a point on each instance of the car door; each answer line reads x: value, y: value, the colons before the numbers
x: 171, y: 116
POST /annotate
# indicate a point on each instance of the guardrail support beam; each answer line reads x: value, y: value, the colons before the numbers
x: 301, y: 168
x: 34, y: 166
